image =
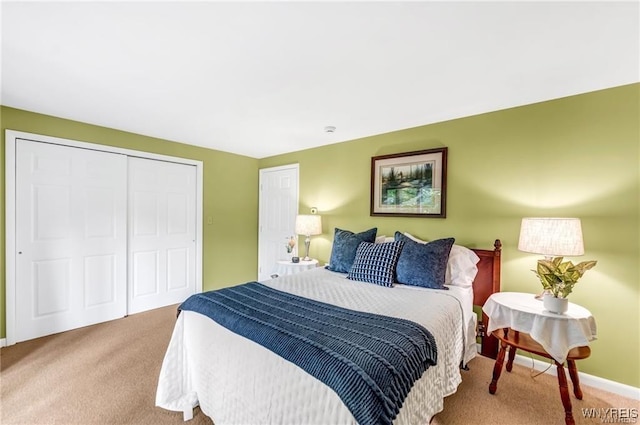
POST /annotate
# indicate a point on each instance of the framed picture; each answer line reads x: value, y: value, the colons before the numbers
x: 411, y: 184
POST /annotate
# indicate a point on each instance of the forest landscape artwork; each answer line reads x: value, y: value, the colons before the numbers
x: 407, y: 185
x: 410, y: 184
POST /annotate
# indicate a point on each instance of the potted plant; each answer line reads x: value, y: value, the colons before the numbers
x: 290, y: 245
x: 558, y: 279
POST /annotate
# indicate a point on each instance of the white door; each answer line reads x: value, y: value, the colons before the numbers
x: 70, y: 238
x: 162, y: 233
x: 278, y: 209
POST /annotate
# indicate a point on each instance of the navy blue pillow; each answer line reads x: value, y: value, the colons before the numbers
x: 376, y: 263
x: 345, y: 244
x: 423, y: 264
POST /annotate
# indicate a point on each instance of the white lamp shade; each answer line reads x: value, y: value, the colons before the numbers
x: 308, y: 225
x: 551, y: 237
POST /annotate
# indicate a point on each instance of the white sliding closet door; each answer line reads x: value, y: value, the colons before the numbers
x: 71, y: 239
x: 162, y: 233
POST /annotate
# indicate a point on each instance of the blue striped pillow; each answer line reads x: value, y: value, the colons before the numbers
x: 376, y: 263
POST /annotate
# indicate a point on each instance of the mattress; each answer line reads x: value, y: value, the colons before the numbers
x: 236, y: 381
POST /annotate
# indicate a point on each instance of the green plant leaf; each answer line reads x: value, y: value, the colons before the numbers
x: 585, y: 265
x: 563, y: 267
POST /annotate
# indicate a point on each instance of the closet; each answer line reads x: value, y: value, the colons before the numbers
x: 98, y: 233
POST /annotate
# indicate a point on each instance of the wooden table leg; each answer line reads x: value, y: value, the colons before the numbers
x: 497, y: 368
x: 512, y: 355
x: 564, y: 395
x: 573, y: 373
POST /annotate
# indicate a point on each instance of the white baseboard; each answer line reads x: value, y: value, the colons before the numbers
x: 3, y: 342
x: 585, y: 379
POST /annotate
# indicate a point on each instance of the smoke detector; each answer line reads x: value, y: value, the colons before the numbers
x: 329, y: 129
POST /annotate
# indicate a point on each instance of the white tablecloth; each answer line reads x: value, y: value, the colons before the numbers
x: 286, y: 267
x: 557, y: 333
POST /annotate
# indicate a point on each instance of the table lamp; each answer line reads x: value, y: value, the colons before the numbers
x: 308, y: 225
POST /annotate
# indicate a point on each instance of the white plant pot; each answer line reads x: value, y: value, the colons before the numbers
x: 555, y: 305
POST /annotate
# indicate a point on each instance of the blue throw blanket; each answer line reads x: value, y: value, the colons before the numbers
x: 370, y: 361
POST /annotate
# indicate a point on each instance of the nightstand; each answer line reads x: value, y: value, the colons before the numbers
x: 286, y: 267
x: 519, y: 321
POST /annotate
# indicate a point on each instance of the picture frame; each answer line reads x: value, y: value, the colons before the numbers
x: 410, y: 184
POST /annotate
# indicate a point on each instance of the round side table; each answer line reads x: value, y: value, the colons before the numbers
x: 286, y: 267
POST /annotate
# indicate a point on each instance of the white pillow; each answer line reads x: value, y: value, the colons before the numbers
x: 413, y: 238
x: 384, y: 239
x: 461, y: 267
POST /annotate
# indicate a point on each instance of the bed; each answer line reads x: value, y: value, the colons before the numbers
x: 235, y: 380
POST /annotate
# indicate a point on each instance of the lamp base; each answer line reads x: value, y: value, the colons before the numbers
x: 307, y: 242
x: 541, y: 295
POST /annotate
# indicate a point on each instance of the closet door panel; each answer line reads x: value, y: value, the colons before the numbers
x: 71, y: 238
x: 162, y: 233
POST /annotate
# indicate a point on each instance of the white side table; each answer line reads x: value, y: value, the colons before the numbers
x: 557, y: 333
x: 520, y: 322
x: 286, y: 267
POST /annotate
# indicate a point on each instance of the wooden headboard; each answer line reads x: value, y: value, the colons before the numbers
x: 487, y: 282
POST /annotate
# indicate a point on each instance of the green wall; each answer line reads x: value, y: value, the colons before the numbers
x: 230, y: 195
x: 577, y: 156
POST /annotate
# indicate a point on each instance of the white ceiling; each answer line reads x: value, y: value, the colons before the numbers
x: 265, y: 78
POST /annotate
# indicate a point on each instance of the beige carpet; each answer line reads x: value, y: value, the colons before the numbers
x: 102, y: 374
x: 107, y: 374
x: 520, y: 399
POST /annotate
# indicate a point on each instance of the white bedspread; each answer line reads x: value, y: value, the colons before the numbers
x: 236, y: 381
